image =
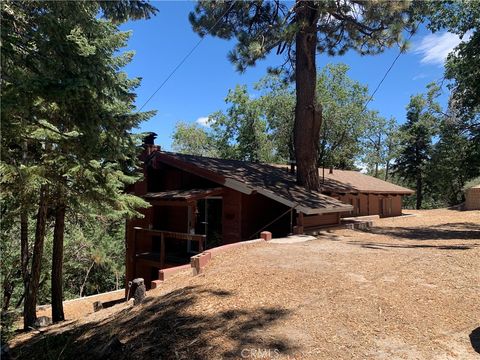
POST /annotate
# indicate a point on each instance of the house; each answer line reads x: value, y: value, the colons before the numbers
x: 368, y: 195
x: 199, y: 203
x: 472, y: 198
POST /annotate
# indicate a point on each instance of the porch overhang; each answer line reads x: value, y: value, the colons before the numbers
x: 173, y: 197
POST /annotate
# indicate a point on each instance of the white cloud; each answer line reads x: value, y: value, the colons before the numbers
x: 434, y: 48
x: 420, y: 76
x: 204, y: 121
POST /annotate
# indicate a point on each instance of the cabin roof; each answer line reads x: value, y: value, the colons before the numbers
x: 354, y: 181
x: 349, y: 181
x: 248, y: 178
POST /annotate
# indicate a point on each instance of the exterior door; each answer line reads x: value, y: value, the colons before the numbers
x: 209, y: 220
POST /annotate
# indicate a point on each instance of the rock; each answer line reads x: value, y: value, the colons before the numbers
x: 97, y: 306
x: 43, y: 321
x: 139, y: 290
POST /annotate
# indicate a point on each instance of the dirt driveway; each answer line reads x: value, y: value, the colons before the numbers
x: 407, y: 289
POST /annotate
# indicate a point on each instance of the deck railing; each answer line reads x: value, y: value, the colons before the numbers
x: 166, y: 235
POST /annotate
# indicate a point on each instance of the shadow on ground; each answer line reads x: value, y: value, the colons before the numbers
x: 447, y: 231
x: 385, y: 246
x: 164, y: 327
x: 475, y: 339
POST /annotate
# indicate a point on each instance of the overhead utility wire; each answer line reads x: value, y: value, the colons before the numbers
x: 386, y: 73
x: 186, y: 57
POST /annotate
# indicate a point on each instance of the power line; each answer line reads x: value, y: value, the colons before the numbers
x: 386, y: 73
x: 186, y: 57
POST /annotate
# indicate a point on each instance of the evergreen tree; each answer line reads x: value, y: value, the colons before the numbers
x: 75, y: 120
x: 416, y: 141
x: 448, y: 170
x: 300, y: 32
x: 462, y: 65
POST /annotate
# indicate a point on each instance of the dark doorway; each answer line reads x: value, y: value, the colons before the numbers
x: 209, y: 220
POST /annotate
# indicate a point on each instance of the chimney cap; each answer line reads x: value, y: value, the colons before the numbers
x: 149, y: 138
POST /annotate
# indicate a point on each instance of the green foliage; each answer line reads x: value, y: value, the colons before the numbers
x: 331, y: 27
x: 380, y: 145
x: 416, y: 140
x: 344, y: 119
x: 95, y: 256
x: 241, y: 133
x: 449, y: 167
x: 277, y: 101
x: 471, y: 183
x: 193, y: 139
x: 261, y: 128
x: 262, y: 26
x: 67, y: 115
x: 462, y: 65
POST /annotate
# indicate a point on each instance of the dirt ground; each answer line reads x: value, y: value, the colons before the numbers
x: 409, y: 288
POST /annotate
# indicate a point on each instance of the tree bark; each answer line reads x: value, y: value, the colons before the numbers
x: 308, y: 114
x: 8, y: 287
x: 419, y: 192
x: 24, y: 257
x: 57, y: 264
x: 30, y: 303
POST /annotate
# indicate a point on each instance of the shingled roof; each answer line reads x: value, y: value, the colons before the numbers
x: 348, y: 181
x: 247, y: 177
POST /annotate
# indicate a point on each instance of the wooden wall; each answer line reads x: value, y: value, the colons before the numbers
x: 258, y: 211
x: 369, y: 204
x: 232, y: 216
x: 165, y: 177
x: 319, y: 220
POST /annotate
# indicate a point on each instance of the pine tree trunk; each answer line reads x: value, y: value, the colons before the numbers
x: 308, y: 115
x: 57, y: 264
x: 8, y: 287
x: 387, y: 169
x: 30, y: 304
x: 419, y: 193
x: 24, y: 255
x: 24, y: 246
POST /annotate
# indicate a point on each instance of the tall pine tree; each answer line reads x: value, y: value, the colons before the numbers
x: 416, y: 141
x: 71, y: 130
x: 308, y: 28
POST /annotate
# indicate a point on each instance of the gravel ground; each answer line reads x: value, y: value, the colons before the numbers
x: 409, y: 288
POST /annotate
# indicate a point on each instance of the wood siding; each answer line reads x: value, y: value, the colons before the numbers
x: 384, y: 205
x: 258, y: 211
x: 232, y: 216
x: 320, y: 220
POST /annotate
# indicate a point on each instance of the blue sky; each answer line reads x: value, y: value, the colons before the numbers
x: 199, y: 86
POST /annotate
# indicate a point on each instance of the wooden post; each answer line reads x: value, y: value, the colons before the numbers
x: 299, y: 226
x: 136, y: 230
x: 162, y: 250
x: 200, y: 245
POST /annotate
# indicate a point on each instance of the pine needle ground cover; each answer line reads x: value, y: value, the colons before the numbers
x: 406, y: 289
